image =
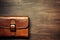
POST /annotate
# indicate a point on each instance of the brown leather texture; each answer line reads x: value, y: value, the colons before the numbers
x: 14, y: 26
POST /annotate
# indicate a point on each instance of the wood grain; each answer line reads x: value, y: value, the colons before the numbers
x: 44, y: 16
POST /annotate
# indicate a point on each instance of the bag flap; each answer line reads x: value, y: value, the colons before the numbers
x: 20, y: 22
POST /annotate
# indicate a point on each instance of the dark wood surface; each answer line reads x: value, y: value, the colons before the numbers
x: 44, y: 16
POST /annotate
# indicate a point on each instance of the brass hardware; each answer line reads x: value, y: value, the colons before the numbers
x: 12, y: 26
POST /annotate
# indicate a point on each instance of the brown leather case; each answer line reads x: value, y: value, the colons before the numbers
x: 14, y: 26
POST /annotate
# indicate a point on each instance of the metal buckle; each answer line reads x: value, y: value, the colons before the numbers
x: 12, y: 25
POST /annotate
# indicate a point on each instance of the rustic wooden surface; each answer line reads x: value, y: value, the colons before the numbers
x: 44, y: 16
